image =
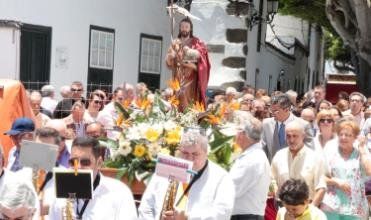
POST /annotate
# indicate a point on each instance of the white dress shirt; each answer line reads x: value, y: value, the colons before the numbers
x: 107, y: 117
x: 48, y: 104
x: 4, y: 177
x: 210, y: 197
x: 11, y: 157
x: 112, y: 200
x: 251, y: 176
x: 306, y: 165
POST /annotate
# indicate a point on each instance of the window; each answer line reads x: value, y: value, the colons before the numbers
x: 101, y: 49
x: 150, y: 60
x: 150, y: 55
x: 101, y: 58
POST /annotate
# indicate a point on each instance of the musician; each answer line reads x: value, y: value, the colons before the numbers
x: 112, y: 200
x: 209, y: 195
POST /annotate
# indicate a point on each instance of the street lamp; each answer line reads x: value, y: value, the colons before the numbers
x: 255, y: 17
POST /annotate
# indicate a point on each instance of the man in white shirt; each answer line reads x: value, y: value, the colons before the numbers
x: 18, y: 200
x: 3, y: 176
x: 250, y: 174
x: 356, y: 102
x: 111, y: 199
x: 9, y: 179
x: 35, y: 101
x: 48, y: 102
x: 47, y: 135
x: 209, y: 195
x: 298, y: 161
x: 22, y: 129
x: 108, y: 116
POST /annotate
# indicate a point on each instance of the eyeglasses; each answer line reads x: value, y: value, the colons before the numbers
x: 200, y: 130
x: 85, y: 162
x: 355, y: 100
x: 189, y: 154
x: 327, y: 120
x: 76, y: 90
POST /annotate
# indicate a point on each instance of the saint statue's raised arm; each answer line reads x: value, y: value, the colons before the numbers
x: 188, y: 59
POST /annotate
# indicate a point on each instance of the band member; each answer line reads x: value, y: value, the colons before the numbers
x: 209, y: 195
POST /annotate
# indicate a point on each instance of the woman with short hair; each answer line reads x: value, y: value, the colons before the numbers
x: 348, y: 165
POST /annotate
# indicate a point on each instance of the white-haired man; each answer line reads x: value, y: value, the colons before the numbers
x: 250, y: 173
x: 108, y: 116
x: 18, y: 200
x: 209, y: 195
x: 356, y: 100
x: 298, y: 161
x: 48, y: 101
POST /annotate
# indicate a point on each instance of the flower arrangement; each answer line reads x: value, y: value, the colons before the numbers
x: 154, y: 126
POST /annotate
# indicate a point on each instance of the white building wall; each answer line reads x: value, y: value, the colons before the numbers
x: 288, y: 28
x: 212, y: 30
x: 70, y: 21
x: 272, y: 66
x: 9, y: 55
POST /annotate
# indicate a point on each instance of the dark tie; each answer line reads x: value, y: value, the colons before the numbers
x: 281, y: 135
x: 16, y: 165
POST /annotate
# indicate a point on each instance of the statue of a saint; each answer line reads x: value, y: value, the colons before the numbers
x: 188, y: 59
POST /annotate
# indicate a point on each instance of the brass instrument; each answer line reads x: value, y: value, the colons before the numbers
x: 170, y: 195
x: 68, y: 210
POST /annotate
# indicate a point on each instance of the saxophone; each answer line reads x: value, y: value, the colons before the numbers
x: 67, y: 213
x: 170, y: 195
x: 68, y: 210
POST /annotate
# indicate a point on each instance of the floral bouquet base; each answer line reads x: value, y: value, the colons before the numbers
x: 137, y: 187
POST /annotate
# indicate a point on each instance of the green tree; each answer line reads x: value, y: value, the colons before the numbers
x: 346, y: 21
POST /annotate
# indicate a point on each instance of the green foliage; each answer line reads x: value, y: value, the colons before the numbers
x: 221, y: 149
x: 335, y: 48
x: 312, y: 11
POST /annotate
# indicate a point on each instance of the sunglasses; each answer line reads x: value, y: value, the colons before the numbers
x: 85, y: 162
x: 97, y: 102
x: 76, y: 90
x: 327, y: 120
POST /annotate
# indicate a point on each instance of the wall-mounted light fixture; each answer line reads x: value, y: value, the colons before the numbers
x: 254, y: 17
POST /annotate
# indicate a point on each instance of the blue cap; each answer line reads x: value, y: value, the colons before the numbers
x: 21, y: 125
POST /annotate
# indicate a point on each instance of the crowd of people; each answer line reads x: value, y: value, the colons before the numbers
x: 302, y: 157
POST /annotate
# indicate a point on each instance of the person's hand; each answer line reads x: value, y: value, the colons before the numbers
x: 362, y: 145
x: 189, y: 65
x: 174, y: 215
x: 344, y: 186
x: 168, y: 215
x: 44, y: 209
x: 180, y: 215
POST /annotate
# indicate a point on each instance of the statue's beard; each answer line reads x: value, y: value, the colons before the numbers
x: 185, y: 34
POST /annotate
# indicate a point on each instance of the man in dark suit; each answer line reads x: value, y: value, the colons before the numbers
x: 273, y: 138
x: 63, y: 108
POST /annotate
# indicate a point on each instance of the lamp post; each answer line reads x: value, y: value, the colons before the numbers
x: 254, y: 17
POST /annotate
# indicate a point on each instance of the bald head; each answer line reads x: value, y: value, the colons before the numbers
x: 308, y: 115
x: 58, y: 125
x: 295, y: 134
x: 295, y: 126
x: 35, y: 101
